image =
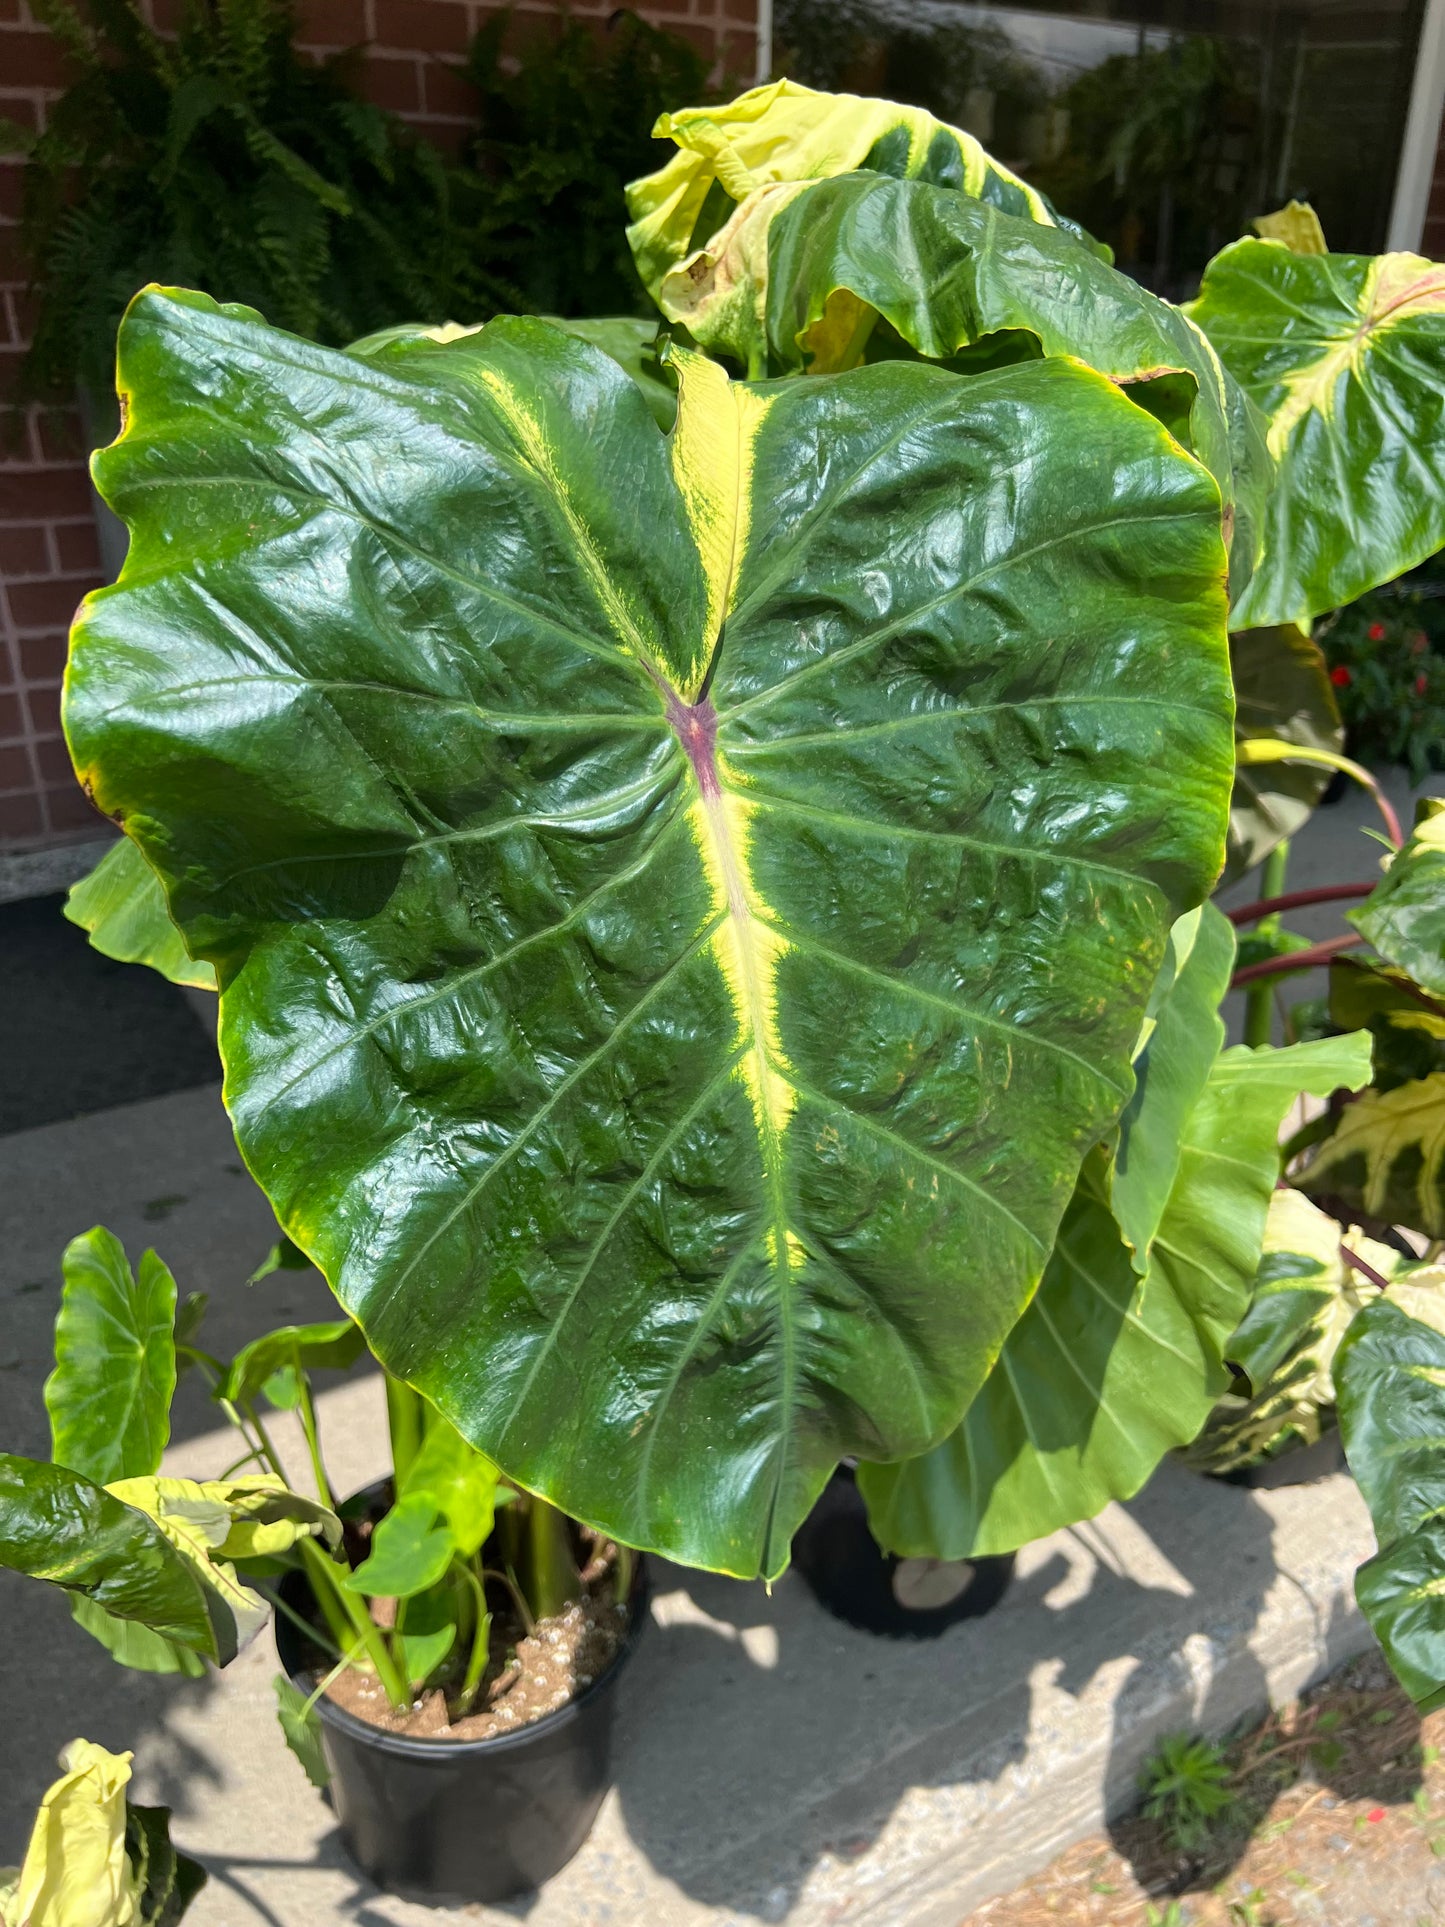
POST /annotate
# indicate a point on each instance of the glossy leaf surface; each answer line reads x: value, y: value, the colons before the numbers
x: 109, y: 1397
x: 58, y: 1526
x: 645, y: 1067
x: 1106, y: 1371
x: 947, y: 272
x: 1300, y: 1271
x: 1404, y: 916
x: 1345, y: 354
x: 1386, y: 1158
x: 629, y: 340
x: 1282, y: 689
x: 1391, y: 1382
x: 785, y: 132
x: 122, y: 906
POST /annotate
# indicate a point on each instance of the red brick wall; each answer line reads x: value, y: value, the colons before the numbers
x: 48, y: 556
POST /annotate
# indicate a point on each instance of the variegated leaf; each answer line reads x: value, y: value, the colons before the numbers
x: 682, y: 904
x: 1345, y: 354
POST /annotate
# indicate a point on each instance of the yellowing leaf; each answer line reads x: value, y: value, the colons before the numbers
x: 211, y: 1522
x: 75, y: 1872
x: 1387, y: 1156
x: 786, y: 132
x: 1295, y: 224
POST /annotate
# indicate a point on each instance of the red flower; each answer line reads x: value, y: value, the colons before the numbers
x: 1340, y: 676
x: 1377, y: 632
x: 1375, y: 1814
x: 1422, y: 683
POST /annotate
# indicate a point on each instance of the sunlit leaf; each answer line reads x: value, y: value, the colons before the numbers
x: 947, y: 273
x: 646, y: 1023
x: 109, y: 1397
x: 410, y: 1550
x: 212, y: 1522
x: 1171, y: 1073
x: 1386, y: 1158
x: 61, y: 1527
x: 460, y: 1481
x: 1295, y: 224
x: 75, y: 1872
x: 196, y: 1520
x: 131, y: 1644
x: 1304, y: 1296
x: 1106, y: 1371
x: 122, y: 906
x: 786, y: 132
x: 1345, y: 354
x: 334, y: 1344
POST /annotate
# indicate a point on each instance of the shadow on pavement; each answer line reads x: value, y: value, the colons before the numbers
x: 760, y: 1735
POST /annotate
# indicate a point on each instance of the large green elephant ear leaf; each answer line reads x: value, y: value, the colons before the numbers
x: 1390, y: 1382
x: 1105, y: 1371
x: 680, y: 907
x: 785, y: 132
x: 1283, y: 695
x: 948, y: 273
x: 109, y: 1397
x: 123, y: 908
x: 1404, y: 915
x: 1345, y: 354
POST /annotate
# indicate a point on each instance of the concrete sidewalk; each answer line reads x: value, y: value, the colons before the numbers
x: 771, y: 1764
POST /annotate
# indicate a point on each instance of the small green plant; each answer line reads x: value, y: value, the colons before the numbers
x: 1187, y: 1786
x: 168, y: 1573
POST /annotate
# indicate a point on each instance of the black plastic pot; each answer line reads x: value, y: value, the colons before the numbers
x: 454, y: 1821
x: 1300, y: 1466
x: 851, y: 1577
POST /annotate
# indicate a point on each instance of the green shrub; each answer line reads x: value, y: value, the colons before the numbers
x: 566, y: 121
x: 221, y: 158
